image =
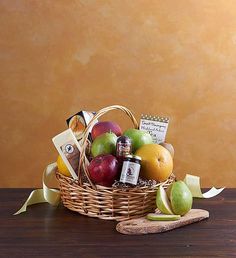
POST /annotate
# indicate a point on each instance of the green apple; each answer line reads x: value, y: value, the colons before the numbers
x: 162, y: 201
x: 181, y: 198
x: 138, y: 138
x: 162, y: 217
x: 104, y: 144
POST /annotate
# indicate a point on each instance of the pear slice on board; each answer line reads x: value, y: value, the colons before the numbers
x: 162, y: 201
x: 144, y: 226
x: 162, y: 217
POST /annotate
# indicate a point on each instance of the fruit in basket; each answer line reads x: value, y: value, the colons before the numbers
x: 104, y: 144
x: 62, y: 168
x: 105, y: 127
x: 157, y: 162
x: 181, y: 198
x: 138, y: 138
x: 169, y: 147
x: 162, y: 201
x: 104, y: 170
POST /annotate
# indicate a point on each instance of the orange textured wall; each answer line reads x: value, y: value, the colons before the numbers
x: 172, y: 58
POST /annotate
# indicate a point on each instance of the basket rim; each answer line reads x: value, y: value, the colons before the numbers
x: 75, y: 182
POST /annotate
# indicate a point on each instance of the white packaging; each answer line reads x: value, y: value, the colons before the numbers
x: 156, y: 126
x: 69, y: 149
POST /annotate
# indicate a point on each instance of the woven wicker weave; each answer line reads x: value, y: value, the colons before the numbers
x: 110, y: 203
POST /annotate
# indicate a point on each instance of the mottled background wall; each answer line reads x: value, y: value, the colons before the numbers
x: 173, y: 58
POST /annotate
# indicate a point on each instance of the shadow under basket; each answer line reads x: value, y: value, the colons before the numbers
x: 110, y: 203
x: 106, y: 202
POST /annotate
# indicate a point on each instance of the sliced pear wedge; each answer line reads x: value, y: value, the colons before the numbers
x: 162, y: 201
x: 162, y: 217
x: 168, y: 191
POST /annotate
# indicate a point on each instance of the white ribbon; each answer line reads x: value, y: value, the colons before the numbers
x: 193, y: 183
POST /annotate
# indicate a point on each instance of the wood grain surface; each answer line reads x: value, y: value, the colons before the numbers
x: 45, y: 231
x: 142, y: 225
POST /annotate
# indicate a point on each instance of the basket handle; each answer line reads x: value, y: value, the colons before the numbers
x: 83, y: 163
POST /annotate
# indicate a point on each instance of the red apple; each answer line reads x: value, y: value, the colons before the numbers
x: 105, y: 127
x: 104, y: 170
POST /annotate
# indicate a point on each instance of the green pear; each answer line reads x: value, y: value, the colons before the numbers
x: 138, y: 138
x: 104, y: 144
x: 181, y: 198
x: 162, y: 201
x: 162, y: 217
x: 169, y: 147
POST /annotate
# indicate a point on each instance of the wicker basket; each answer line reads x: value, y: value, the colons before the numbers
x: 110, y: 203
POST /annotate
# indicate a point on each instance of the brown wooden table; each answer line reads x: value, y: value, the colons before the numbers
x: 57, y: 232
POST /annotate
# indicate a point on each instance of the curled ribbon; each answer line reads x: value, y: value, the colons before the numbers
x: 46, y: 194
x: 193, y: 183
